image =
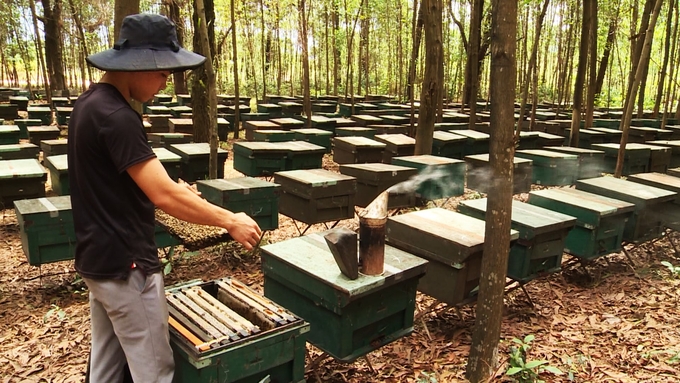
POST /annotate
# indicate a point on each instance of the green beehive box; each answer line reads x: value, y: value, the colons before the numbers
x: 20, y: 101
x: 181, y: 125
x: 612, y: 136
x: 257, y: 198
x: 551, y: 168
x: 606, y: 123
x: 316, y: 195
x: 249, y: 117
x: 315, y: 136
x: 62, y: 114
x: 645, y: 224
x: 20, y: 179
x: 357, y: 150
x: 42, y: 113
x: 641, y: 134
x: 19, y: 151
x: 397, y: 145
x: 324, y: 107
x: 600, y: 220
x: 479, y: 170
x: 321, y: 122
x: 184, y: 99
x: 290, y: 108
x: 58, y: 168
x: 542, y: 234
x: 528, y: 140
x: 546, y: 139
x: 375, y: 178
x: 659, y: 180
x: 273, y: 135
x: 60, y: 101
x: 303, y: 155
x: 447, y: 144
x: 158, y: 109
x: 274, y: 355
x: 161, y: 140
x: 477, y: 142
x: 9, y: 111
x: 288, y: 123
x: 586, y: 138
x: 42, y: 133
x: 348, y: 318
x: 451, y: 242
x: 9, y: 134
x: 389, y: 129
x: 636, y: 158
x: 590, y: 161
x: 54, y: 147
x: 251, y: 126
x: 659, y: 156
x: 196, y: 160
x: 179, y: 110
x: 355, y: 131
x: 257, y: 159
x: 170, y: 161
x: 47, y: 232
x: 646, y: 122
x: 442, y: 177
x: 367, y: 119
x: 23, y: 123
x: 674, y: 145
x: 162, y: 98
x: 341, y: 122
x: 274, y: 110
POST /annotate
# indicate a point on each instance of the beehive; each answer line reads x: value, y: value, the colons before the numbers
x: 357, y: 150
x: 314, y: 136
x: 542, y: 233
x: 58, y: 168
x: 590, y: 161
x: 196, y: 160
x: 442, y: 177
x: 636, y: 158
x: 600, y: 220
x: 479, y: 174
x: 9, y: 134
x: 53, y: 147
x: 397, y: 145
x: 42, y: 133
x: 348, y: 318
x: 451, y: 242
x: 259, y: 158
x: 375, y: 178
x: 20, y: 179
x: 19, y: 151
x: 257, y: 198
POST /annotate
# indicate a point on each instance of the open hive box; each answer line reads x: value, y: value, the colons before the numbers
x: 224, y: 331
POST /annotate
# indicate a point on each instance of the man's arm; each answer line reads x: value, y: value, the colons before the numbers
x: 180, y: 202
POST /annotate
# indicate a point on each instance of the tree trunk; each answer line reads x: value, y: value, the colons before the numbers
x: 531, y: 70
x: 53, y: 44
x: 307, y: 103
x: 664, y: 65
x: 335, y: 20
x: 237, y: 100
x: 590, y: 99
x: 611, y: 37
x: 672, y: 86
x: 173, y: 11
x: 205, y: 83
x: 580, y: 74
x: 431, y: 88
x: 416, y: 33
x: 483, y: 357
x: 638, y: 41
x: 630, y: 97
x: 204, y: 12
x: 278, y: 47
x: 472, y: 66
x: 41, y: 57
x: 264, y: 58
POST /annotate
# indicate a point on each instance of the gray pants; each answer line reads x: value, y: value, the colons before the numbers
x: 129, y: 322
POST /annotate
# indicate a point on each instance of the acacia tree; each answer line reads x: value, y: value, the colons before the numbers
x: 489, y: 313
x: 200, y: 90
x: 432, y: 86
x: 53, y: 43
x: 580, y: 74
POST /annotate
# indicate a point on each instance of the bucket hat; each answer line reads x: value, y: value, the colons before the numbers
x: 147, y: 42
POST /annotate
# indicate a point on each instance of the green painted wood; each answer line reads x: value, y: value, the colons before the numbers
x: 542, y: 233
x: 356, y: 131
x: 442, y: 177
x: 257, y: 198
x: 303, y: 155
x: 253, y: 125
x: 9, y: 134
x: 551, y: 168
x: 54, y: 147
x: 600, y: 220
x: 19, y: 151
x: 674, y: 145
x: 41, y: 133
x: 478, y: 174
x: 478, y: 142
x: 353, y: 150
x: 448, y: 144
x: 636, y: 158
x: 43, y: 113
x: 288, y: 123
x: 22, y: 168
x: 658, y: 180
x: 46, y: 226
x: 316, y: 195
x: 62, y: 113
x: 196, y: 160
x: 58, y: 168
x: 179, y: 110
x: 348, y: 318
x: 659, y: 157
x: 453, y: 244
x: 314, y: 136
x: 590, y: 161
x: 23, y: 123
x: 644, y: 224
x: 259, y: 158
x: 528, y: 140
x: 273, y: 135
x: 397, y: 145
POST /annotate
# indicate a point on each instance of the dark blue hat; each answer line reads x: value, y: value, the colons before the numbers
x: 147, y: 42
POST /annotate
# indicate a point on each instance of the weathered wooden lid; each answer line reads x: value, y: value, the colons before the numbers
x: 23, y: 168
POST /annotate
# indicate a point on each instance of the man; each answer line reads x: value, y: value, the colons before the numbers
x: 116, y: 183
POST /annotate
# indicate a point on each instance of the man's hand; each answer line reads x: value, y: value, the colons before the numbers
x: 244, y: 230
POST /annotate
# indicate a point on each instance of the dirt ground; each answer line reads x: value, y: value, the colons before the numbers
x: 609, y: 321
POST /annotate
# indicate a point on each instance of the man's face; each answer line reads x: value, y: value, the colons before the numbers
x: 144, y: 85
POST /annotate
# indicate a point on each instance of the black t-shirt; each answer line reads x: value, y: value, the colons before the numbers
x: 114, y: 220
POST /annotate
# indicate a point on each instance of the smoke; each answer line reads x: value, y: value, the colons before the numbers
x: 434, y: 182
x: 377, y: 208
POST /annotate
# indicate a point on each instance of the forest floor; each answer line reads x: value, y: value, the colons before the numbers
x: 609, y: 321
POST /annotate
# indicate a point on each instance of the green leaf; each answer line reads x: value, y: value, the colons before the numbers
x: 167, y: 269
x: 513, y: 370
x: 517, y: 341
x: 534, y: 363
x: 553, y: 370
x: 529, y: 338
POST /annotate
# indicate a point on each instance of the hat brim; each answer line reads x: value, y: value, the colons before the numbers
x: 142, y: 60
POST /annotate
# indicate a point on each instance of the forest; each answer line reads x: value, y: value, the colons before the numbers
x: 364, y: 47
